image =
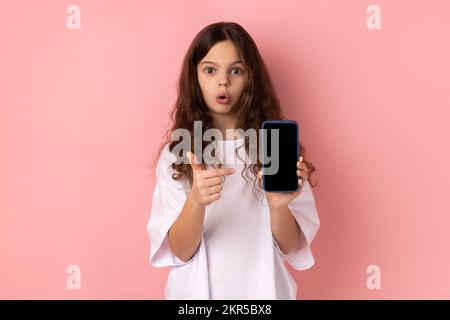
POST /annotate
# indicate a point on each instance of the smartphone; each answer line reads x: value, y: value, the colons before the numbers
x: 280, y: 152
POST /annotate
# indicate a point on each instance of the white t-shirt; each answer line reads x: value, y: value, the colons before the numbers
x: 238, y: 257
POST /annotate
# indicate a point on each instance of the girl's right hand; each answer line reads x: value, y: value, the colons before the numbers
x: 207, y: 183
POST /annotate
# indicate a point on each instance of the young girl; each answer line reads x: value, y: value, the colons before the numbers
x: 221, y: 240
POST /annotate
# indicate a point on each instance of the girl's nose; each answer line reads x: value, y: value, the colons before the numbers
x: 223, y: 83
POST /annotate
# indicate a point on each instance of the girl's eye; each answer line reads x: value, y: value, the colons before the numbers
x: 239, y: 70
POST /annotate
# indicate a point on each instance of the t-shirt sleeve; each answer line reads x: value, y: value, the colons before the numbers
x: 167, y: 202
x: 303, y: 208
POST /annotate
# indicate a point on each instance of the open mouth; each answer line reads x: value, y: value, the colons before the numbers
x: 223, y: 98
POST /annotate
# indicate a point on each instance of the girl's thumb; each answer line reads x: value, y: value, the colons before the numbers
x: 193, y: 161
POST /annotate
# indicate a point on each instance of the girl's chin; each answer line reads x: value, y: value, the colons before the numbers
x: 221, y: 109
x: 221, y: 112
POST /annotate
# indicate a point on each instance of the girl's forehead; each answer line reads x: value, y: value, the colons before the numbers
x: 222, y: 53
x: 223, y: 63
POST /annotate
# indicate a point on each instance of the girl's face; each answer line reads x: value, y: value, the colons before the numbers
x: 220, y: 72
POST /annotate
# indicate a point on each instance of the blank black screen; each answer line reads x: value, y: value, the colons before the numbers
x: 285, y: 180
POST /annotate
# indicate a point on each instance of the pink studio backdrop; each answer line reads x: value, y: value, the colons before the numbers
x: 83, y: 112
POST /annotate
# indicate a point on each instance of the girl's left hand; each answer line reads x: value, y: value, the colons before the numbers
x: 277, y: 200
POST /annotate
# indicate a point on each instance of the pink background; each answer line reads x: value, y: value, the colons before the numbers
x: 83, y: 112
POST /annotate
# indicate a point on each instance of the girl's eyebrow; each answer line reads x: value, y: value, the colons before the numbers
x: 215, y: 63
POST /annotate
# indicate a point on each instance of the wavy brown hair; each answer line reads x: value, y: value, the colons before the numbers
x: 257, y: 103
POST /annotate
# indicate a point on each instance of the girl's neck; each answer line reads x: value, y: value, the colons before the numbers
x: 224, y: 122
